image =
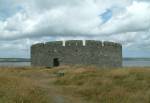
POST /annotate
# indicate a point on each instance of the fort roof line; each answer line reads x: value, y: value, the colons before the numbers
x: 79, y: 43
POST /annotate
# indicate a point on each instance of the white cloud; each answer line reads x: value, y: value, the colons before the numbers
x: 136, y: 18
x: 60, y: 20
x: 30, y: 20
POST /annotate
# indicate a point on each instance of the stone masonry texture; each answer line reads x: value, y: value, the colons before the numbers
x: 102, y: 54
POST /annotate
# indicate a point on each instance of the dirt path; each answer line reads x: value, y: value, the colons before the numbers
x: 45, y: 81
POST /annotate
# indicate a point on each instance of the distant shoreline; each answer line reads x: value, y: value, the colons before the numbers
x: 126, y: 62
x: 15, y: 60
x: 29, y: 60
x: 143, y: 59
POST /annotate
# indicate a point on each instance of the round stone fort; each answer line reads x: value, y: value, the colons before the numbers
x: 77, y: 52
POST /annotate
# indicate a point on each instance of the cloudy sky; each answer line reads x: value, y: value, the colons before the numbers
x: 26, y: 22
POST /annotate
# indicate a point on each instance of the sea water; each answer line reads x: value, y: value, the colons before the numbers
x: 126, y: 63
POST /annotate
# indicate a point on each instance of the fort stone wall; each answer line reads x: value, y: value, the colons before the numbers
x: 103, y: 54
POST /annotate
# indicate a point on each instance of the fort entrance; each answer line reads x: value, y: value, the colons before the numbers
x: 55, y: 62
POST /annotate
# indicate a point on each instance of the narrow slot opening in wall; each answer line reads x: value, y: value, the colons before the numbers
x: 83, y: 43
x: 64, y: 42
x: 55, y: 62
x: 102, y: 43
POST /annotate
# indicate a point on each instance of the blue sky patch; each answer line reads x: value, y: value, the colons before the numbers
x: 106, y: 15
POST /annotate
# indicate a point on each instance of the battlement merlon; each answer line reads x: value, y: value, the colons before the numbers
x: 93, y: 43
x: 37, y: 45
x: 112, y: 44
x: 54, y: 43
x: 74, y: 43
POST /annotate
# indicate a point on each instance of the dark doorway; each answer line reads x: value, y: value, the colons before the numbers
x: 55, y: 62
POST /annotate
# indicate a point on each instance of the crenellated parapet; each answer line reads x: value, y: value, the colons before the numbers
x: 79, y: 43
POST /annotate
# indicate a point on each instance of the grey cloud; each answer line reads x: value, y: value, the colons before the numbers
x: 76, y: 19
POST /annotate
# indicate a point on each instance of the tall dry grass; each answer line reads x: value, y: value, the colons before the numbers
x: 78, y: 84
x: 95, y: 85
